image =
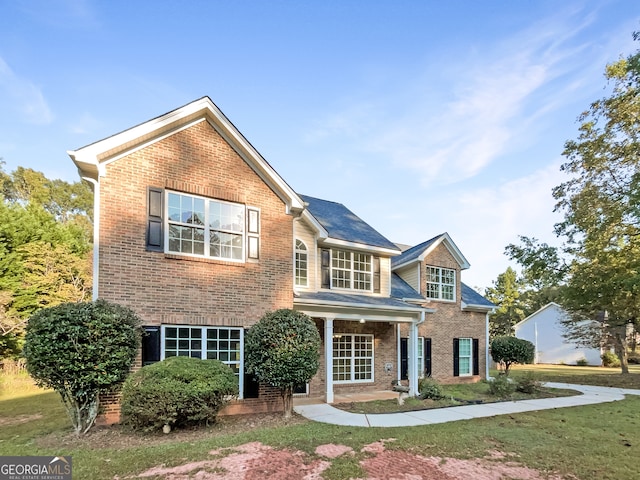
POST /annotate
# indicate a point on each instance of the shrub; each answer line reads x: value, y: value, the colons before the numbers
x: 582, y: 362
x: 283, y: 350
x: 179, y: 391
x: 511, y: 350
x: 528, y: 383
x: 429, y: 388
x: 610, y: 360
x: 81, y: 350
x: 501, y: 387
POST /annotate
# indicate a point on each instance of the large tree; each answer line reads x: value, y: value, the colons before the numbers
x: 601, y: 227
x: 505, y: 293
x: 45, y: 244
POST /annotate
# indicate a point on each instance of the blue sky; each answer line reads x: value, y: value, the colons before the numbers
x: 420, y: 116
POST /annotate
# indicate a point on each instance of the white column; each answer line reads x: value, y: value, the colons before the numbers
x: 486, y: 348
x: 412, y: 353
x: 328, y: 358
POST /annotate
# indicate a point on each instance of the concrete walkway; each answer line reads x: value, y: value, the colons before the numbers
x: 325, y: 413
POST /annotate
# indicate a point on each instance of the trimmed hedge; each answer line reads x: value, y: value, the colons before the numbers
x: 179, y: 391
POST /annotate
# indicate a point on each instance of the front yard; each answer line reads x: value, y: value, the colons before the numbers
x: 591, y: 442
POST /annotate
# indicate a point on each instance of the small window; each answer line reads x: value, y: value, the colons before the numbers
x: 465, y: 357
x: 351, y: 270
x: 302, y: 263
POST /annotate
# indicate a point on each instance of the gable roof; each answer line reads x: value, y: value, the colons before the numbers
x: 92, y: 159
x: 339, y: 226
x: 472, y: 300
x: 548, y: 306
x: 420, y: 251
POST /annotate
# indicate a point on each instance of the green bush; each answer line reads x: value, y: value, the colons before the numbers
x: 179, y: 391
x: 582, y: 362
x: 283, y: 350
x: 610, y: 360
x: 528, y: 383
x: 429, y: 388
x: 501, y: 386
x: 511, y: 350
x: 81, y: 350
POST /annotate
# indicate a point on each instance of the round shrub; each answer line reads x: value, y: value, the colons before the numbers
x: 82, y: 350
x: 511, y: 350
x: 610, y: 360
x: 179, y: 391
x: 429, y: 388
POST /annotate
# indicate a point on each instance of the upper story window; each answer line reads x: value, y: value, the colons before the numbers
x: 211, y: 228
x: 351, y: 270
x: 345, y: 269
x: 302, y: 261
x: 441, y: 283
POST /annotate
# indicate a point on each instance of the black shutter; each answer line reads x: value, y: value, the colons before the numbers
x: 326, y: 268
x: 150, y: 345
x: 476, y: 357
x: 427, y: 357
x: 376, y: 274
x: 154, y: 219
x: 456, y: 357
x: 251, y: 387
x: 404, y: 358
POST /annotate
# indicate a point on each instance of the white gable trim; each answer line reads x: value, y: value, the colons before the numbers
x: 449, y: 244
x: 92, y: 158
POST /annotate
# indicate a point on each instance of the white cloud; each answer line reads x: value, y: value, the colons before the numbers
x: 23, y: 97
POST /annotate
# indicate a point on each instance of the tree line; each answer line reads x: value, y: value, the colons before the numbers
x: 45, y: 248
x: 595, y: 272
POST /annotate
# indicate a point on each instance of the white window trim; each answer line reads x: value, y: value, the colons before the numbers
x: 353, y: 357
x: 440, y: 284
x: 351, y: 270
x: 250, y: 234
x: 295, y: 264
x: 420, y: 357
x: 470, y: 374
x: 203, y: 354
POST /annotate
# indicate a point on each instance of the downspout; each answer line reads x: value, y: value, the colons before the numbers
x: 486, y: 346
x: 96, y: 233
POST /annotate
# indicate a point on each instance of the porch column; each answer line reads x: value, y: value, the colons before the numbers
x: 412, y: 348
x: 328, y: 358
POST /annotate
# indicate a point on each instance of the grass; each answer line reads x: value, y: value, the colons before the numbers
x: 596, y: 441
x: 453, y: 395
x: 606, y: 377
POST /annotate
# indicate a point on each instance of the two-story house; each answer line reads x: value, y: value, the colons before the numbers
x: 198, y: 234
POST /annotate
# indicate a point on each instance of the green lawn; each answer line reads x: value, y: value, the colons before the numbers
x: 606, y: 377
x: 591, y: 442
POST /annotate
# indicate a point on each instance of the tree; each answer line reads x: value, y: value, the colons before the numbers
x: 505, y: 293
x: 601, y: 227
x: 283, y: 350
x: 82, y: 350
x: 509, y: 351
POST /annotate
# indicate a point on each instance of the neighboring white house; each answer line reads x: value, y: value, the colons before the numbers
x: 544, y: 329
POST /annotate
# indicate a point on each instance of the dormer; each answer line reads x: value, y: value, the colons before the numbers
x: 340, y: 251
x: 433, y: 269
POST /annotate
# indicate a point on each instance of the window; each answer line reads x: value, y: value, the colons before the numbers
x: 464, y: 357
x: 352, y: 358
x: 213, y: 343
x: 211, y: 228
x: 441, y: 283
x: 351, y: 270
x: 302, y: 257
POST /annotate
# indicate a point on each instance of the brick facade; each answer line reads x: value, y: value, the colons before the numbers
x: 449, y: 322
x: 172, y: 289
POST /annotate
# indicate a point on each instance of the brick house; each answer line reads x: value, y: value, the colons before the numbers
x: 198, y: 234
